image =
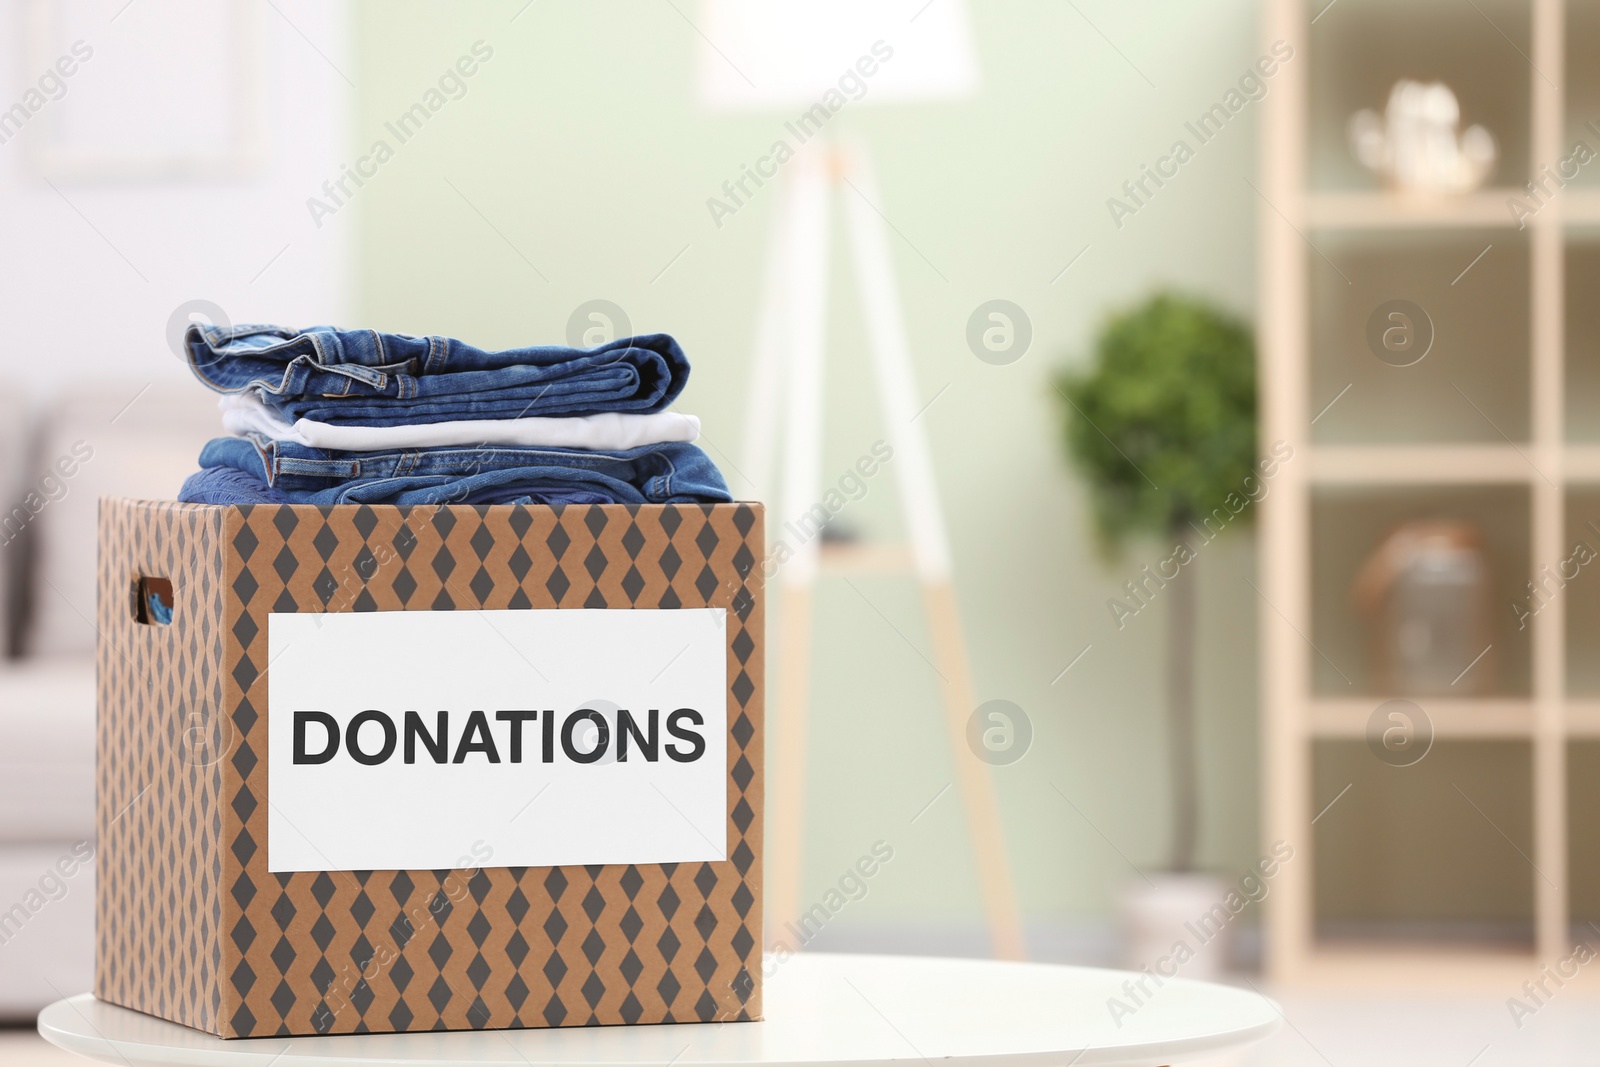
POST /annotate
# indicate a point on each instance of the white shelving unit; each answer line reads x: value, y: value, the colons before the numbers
x: 1298, y: 212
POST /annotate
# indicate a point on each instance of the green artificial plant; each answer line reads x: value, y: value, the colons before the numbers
x: 1162, y: 424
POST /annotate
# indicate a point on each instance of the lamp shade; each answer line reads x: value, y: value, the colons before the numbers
x: 784, y: 54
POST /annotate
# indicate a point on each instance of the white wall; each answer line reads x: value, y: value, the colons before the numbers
x: 91, y: 270
x: 108, y: 225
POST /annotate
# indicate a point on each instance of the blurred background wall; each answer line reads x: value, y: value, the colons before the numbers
x: 152, y: 155
x: 100, y: 254
x: 576, y: 165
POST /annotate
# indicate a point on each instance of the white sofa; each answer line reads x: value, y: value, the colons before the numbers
x: 126, y: 439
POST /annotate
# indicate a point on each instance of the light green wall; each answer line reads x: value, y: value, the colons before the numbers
x: 582, y: 145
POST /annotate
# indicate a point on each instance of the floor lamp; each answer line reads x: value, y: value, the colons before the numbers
x: 797, y: 52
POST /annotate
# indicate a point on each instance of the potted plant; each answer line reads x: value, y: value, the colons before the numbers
x: 1162, y: 424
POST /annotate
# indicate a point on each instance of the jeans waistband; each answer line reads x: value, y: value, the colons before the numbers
x: 360, y: 372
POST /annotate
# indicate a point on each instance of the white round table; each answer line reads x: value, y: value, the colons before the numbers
x: 822, y: 1010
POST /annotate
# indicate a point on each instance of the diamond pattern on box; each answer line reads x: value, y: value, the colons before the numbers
x: 193, y: 928
x: 161, y: 765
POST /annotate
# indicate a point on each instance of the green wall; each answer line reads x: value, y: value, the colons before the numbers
x: 583, y: 152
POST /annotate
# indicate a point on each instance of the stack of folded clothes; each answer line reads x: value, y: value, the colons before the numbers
x: 326, y: 416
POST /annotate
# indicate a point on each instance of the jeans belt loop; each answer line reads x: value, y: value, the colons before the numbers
x: 375, y: 378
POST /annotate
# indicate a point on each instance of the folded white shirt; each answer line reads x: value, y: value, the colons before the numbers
x: 608, y: 432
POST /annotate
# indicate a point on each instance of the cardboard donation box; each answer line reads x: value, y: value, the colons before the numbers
x: 375, y: 768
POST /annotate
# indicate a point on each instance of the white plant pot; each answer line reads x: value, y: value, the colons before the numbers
x: 1178, y: 925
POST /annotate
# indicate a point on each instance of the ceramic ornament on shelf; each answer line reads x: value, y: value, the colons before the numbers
x: 1425, y: 591
x: 1416, y: 147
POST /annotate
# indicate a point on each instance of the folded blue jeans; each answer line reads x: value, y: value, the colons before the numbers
x: 386, y: 379
x: 669, y: 473
x: 225, y: 485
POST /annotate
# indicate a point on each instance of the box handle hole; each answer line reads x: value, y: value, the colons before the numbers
x: 152, y: 600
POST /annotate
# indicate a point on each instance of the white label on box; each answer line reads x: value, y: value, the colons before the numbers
x: 420, y: 740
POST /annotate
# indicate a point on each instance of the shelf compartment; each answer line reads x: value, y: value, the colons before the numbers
x: 1582, y: 333
x: 1472, y: 386
x: 1583, y: 834
x: 1360, y: 48
x: 1576, y: 586
x: 1425, y: 853
x: 1348, y: 523
x: 1582, y: 89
